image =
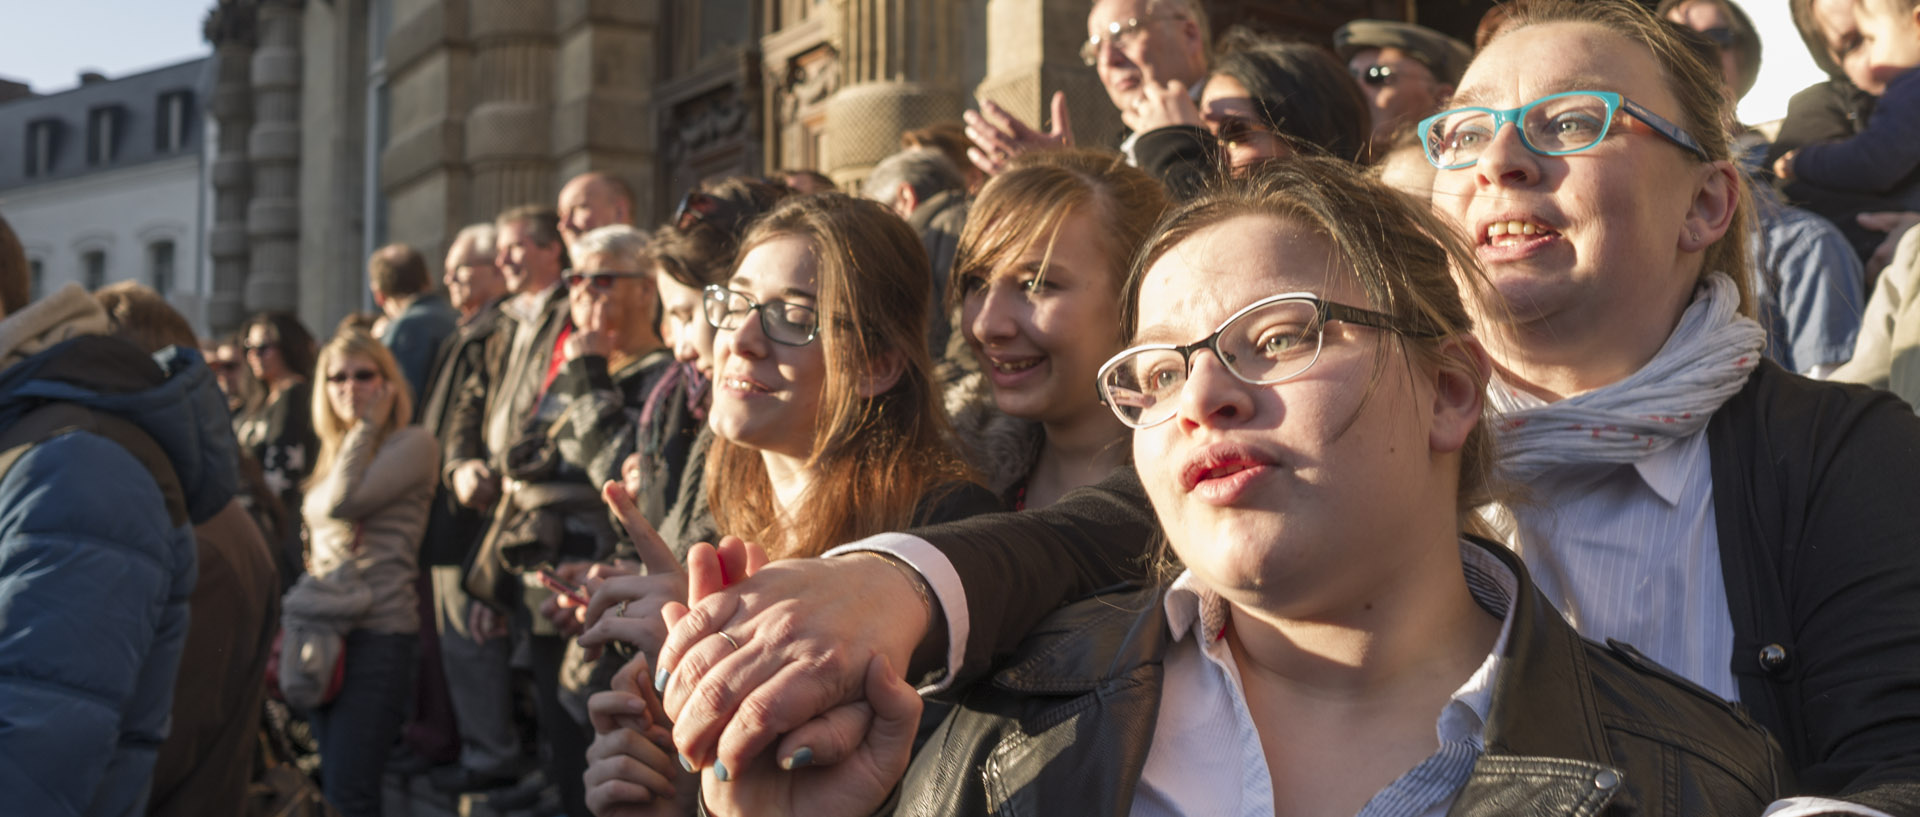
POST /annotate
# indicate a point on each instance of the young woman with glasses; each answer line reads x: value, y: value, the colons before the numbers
x: 826, y: 424
x: 1306, y: 404
x: 365, y: 510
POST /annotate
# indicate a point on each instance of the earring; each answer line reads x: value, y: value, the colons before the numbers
x: 1693, y: 235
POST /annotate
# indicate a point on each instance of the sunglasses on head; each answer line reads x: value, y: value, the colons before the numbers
x: 694, y: 208
x: 601, y: 281
x: 357, y: 376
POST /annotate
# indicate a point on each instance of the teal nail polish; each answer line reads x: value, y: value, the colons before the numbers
x: 660, y: 680
x: 800, y: 759
x: 686, y: 764
x: 720, y: 771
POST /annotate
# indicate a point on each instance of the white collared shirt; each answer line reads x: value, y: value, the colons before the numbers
x: 1207, y: 758
x: 1630, y: 551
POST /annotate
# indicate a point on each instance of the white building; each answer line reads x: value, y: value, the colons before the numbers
x: 105, y: 183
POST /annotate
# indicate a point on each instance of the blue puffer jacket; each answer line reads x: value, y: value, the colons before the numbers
x: 94, y: 575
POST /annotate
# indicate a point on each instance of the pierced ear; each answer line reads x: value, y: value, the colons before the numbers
x: 885, y: 371
x: 1459, y: 392
x: 1712, y: 212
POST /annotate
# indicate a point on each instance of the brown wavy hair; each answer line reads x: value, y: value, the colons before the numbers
x: 1026, y: 204
x: 874, y: 460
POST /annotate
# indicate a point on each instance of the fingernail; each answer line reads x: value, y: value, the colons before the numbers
x: 660, y: 680
x: 720, y: 771
x: 685, y: 763
x: 800, y: 759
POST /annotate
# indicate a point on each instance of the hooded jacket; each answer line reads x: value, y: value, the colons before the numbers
x: 95, y: 572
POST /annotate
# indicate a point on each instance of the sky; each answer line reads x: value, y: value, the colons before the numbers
x: 47, y: 44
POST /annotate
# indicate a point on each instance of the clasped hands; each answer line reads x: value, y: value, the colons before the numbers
x: 761, y: 685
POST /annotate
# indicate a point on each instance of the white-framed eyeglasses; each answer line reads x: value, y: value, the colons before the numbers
x: 1271, y: 340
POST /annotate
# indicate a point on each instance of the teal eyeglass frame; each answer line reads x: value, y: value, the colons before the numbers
x: 1615, y: 104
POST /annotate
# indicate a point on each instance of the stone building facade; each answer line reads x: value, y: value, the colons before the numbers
x: 346, y: 124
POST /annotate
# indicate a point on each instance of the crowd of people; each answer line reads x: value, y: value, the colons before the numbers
x: 1322, y: 446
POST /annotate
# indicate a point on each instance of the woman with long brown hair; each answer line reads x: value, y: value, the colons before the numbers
x: 825, y: 419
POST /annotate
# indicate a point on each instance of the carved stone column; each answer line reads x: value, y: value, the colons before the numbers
x: 602, y: 120
x: 1036, y: 51
x: 230, y: 28
x: 900, y: 66
x: 510, y: 129
x: 273, y: 148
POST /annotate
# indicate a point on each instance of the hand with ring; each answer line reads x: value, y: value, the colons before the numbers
x: 635, y: 599
x: 803, y: 781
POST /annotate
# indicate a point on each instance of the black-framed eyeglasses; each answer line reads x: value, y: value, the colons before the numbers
x: 783, y: 323
x: 1268, y: 341
x: 694, y: 207
x: 1554, y: 125
x: 1118, y: 34
x: 1378, y: 76
x: 601, y: 281
x: 357, y: 376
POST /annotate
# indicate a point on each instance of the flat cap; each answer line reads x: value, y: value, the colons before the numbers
x: 1445, y: 56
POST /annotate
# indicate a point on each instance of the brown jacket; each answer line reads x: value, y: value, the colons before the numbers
x: 207, y: 760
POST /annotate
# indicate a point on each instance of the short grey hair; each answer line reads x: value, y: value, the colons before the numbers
x: 928, y: 171
x: 477, y: 241
x: 1193, y: 10
x: 617, y: 242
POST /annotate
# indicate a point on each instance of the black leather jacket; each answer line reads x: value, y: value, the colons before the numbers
x: 1575, y: 728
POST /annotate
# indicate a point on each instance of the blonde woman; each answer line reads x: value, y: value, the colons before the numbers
x: 365, y: 510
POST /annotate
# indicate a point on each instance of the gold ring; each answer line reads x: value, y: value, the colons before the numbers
x: 621, y: 611
x: 736, y: 644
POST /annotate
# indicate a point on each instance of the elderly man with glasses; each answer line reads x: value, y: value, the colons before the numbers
x: 1143, y: 50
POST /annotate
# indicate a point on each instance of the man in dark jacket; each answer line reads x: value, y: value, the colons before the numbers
x: 97, y: 552
x: 478, y: 691
x: 418, y: 319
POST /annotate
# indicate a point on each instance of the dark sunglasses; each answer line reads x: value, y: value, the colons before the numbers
x: 222, y: 365
x: 694, y: 208
x: 1378, y: 76
x: 1236, y: 131
x: 602, y: 281
x: 359, y: 376
x: 261, y: 349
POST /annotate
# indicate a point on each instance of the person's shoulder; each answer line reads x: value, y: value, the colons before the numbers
x: 1782, y: 402
x: 954, y: 500
x: 1650, y: 710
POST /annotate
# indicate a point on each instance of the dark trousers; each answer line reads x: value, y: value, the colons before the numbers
x: 359, y: 727
x: 566, y: 739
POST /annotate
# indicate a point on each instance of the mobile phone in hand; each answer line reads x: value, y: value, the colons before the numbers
x: 557, y: 585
